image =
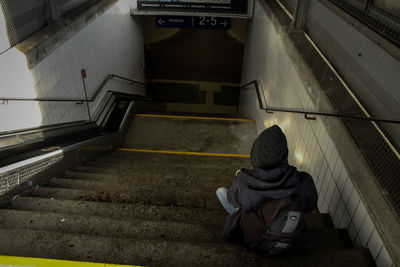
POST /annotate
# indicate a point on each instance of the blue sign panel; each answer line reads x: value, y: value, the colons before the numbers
x: 174, y: 22
x: 216, y: 23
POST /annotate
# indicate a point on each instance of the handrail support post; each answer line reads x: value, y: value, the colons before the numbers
x: 307, y: 117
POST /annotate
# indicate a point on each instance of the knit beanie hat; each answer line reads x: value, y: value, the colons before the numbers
x: 269, y: 149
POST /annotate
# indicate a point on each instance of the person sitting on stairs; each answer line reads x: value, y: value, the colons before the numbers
x: 270, y: 178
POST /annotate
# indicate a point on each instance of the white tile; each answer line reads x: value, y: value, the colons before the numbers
x: 314, y: 124
x: 384, y: 259
x: 357, y: 243
x: 321, y: 175
x: 52, y: 80
x: 366, y: 230
x: 337, y: 169
x: 339, y: 213
x: 324, y: 185
x: 324, y: 207
x: 313, y: 145
x: 347, y: 192
x: 353, y: 203
x: 308, y: 138
x: 323, y: 139
x: 318, y: 127
x: 343, y: 177
x: 335, y: 154
x: 359, y: 216
x: 329, y: 152
x: 334, y: 201
x: 318, y: 161
x: 326, y: 143
x: 345, y: 221
x: 316, y: 155
x: 352, y: 232
x: 375, y: 244
x: 329, y: 192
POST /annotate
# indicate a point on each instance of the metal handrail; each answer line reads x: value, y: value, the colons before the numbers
x: 97, y: 114
x: 263, y: 105
x: 109, y: 77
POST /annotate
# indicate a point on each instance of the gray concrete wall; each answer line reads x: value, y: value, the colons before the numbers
x: 372, y: 73
x: 347, y: 189
x: 4, y: 42
x: 23, y: 17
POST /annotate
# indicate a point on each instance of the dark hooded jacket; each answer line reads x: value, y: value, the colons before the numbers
x: 271, y: 178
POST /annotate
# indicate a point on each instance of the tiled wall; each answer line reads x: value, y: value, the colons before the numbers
x: 110, y: 44
x: 311, y: 148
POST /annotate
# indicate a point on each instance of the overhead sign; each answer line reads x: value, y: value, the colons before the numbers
x: 225, y: 7
x: 174, y: 22
x: 193, y: 22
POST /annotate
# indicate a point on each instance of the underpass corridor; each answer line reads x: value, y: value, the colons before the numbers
x: 119, y: 122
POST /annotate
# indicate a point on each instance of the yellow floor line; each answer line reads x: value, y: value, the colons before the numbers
x: 11, y: 261
x: 192, y: 117
x: 184, y: 153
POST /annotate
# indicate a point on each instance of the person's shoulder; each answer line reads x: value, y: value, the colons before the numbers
x: 305, y: 177
x: 304, y: 174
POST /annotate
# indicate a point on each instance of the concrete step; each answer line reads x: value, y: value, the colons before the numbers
x: 147, y: 230
x: 117, y: 211
x: 147, y: 195
x: 136, y: 180
x: 89, y: 176
x: 126, y: 158
x: 46, y: 244
x: 127, y: 168
x: 161, y: 173
x: 182, y: 134
x: 101, y: 226
x: 102, y: 169
x: 120, y: 211
x: 118, y: 183
x: 316, y: 219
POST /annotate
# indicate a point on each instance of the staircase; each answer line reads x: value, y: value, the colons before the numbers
x: 141, y: 207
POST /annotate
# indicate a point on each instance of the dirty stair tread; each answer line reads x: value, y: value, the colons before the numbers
x: 122, y: 183
x: 313, y: 219
x: 147, y: 230
x: 142, y: 195
x: 119, y: 211
x: 160, y: 174
x: 101, y: 226
x: 186, y: 164
x: 208, y: 136
x: 125, y: 168
x: 157, y: 209
x: 132, y: 158
x: 122, y: 211
x: 155, y: 253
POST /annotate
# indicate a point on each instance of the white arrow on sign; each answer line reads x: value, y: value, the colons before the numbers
x: 225, y: 23
x: 161, y: 21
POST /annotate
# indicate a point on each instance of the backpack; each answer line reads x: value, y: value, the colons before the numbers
x: 274, y: 227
